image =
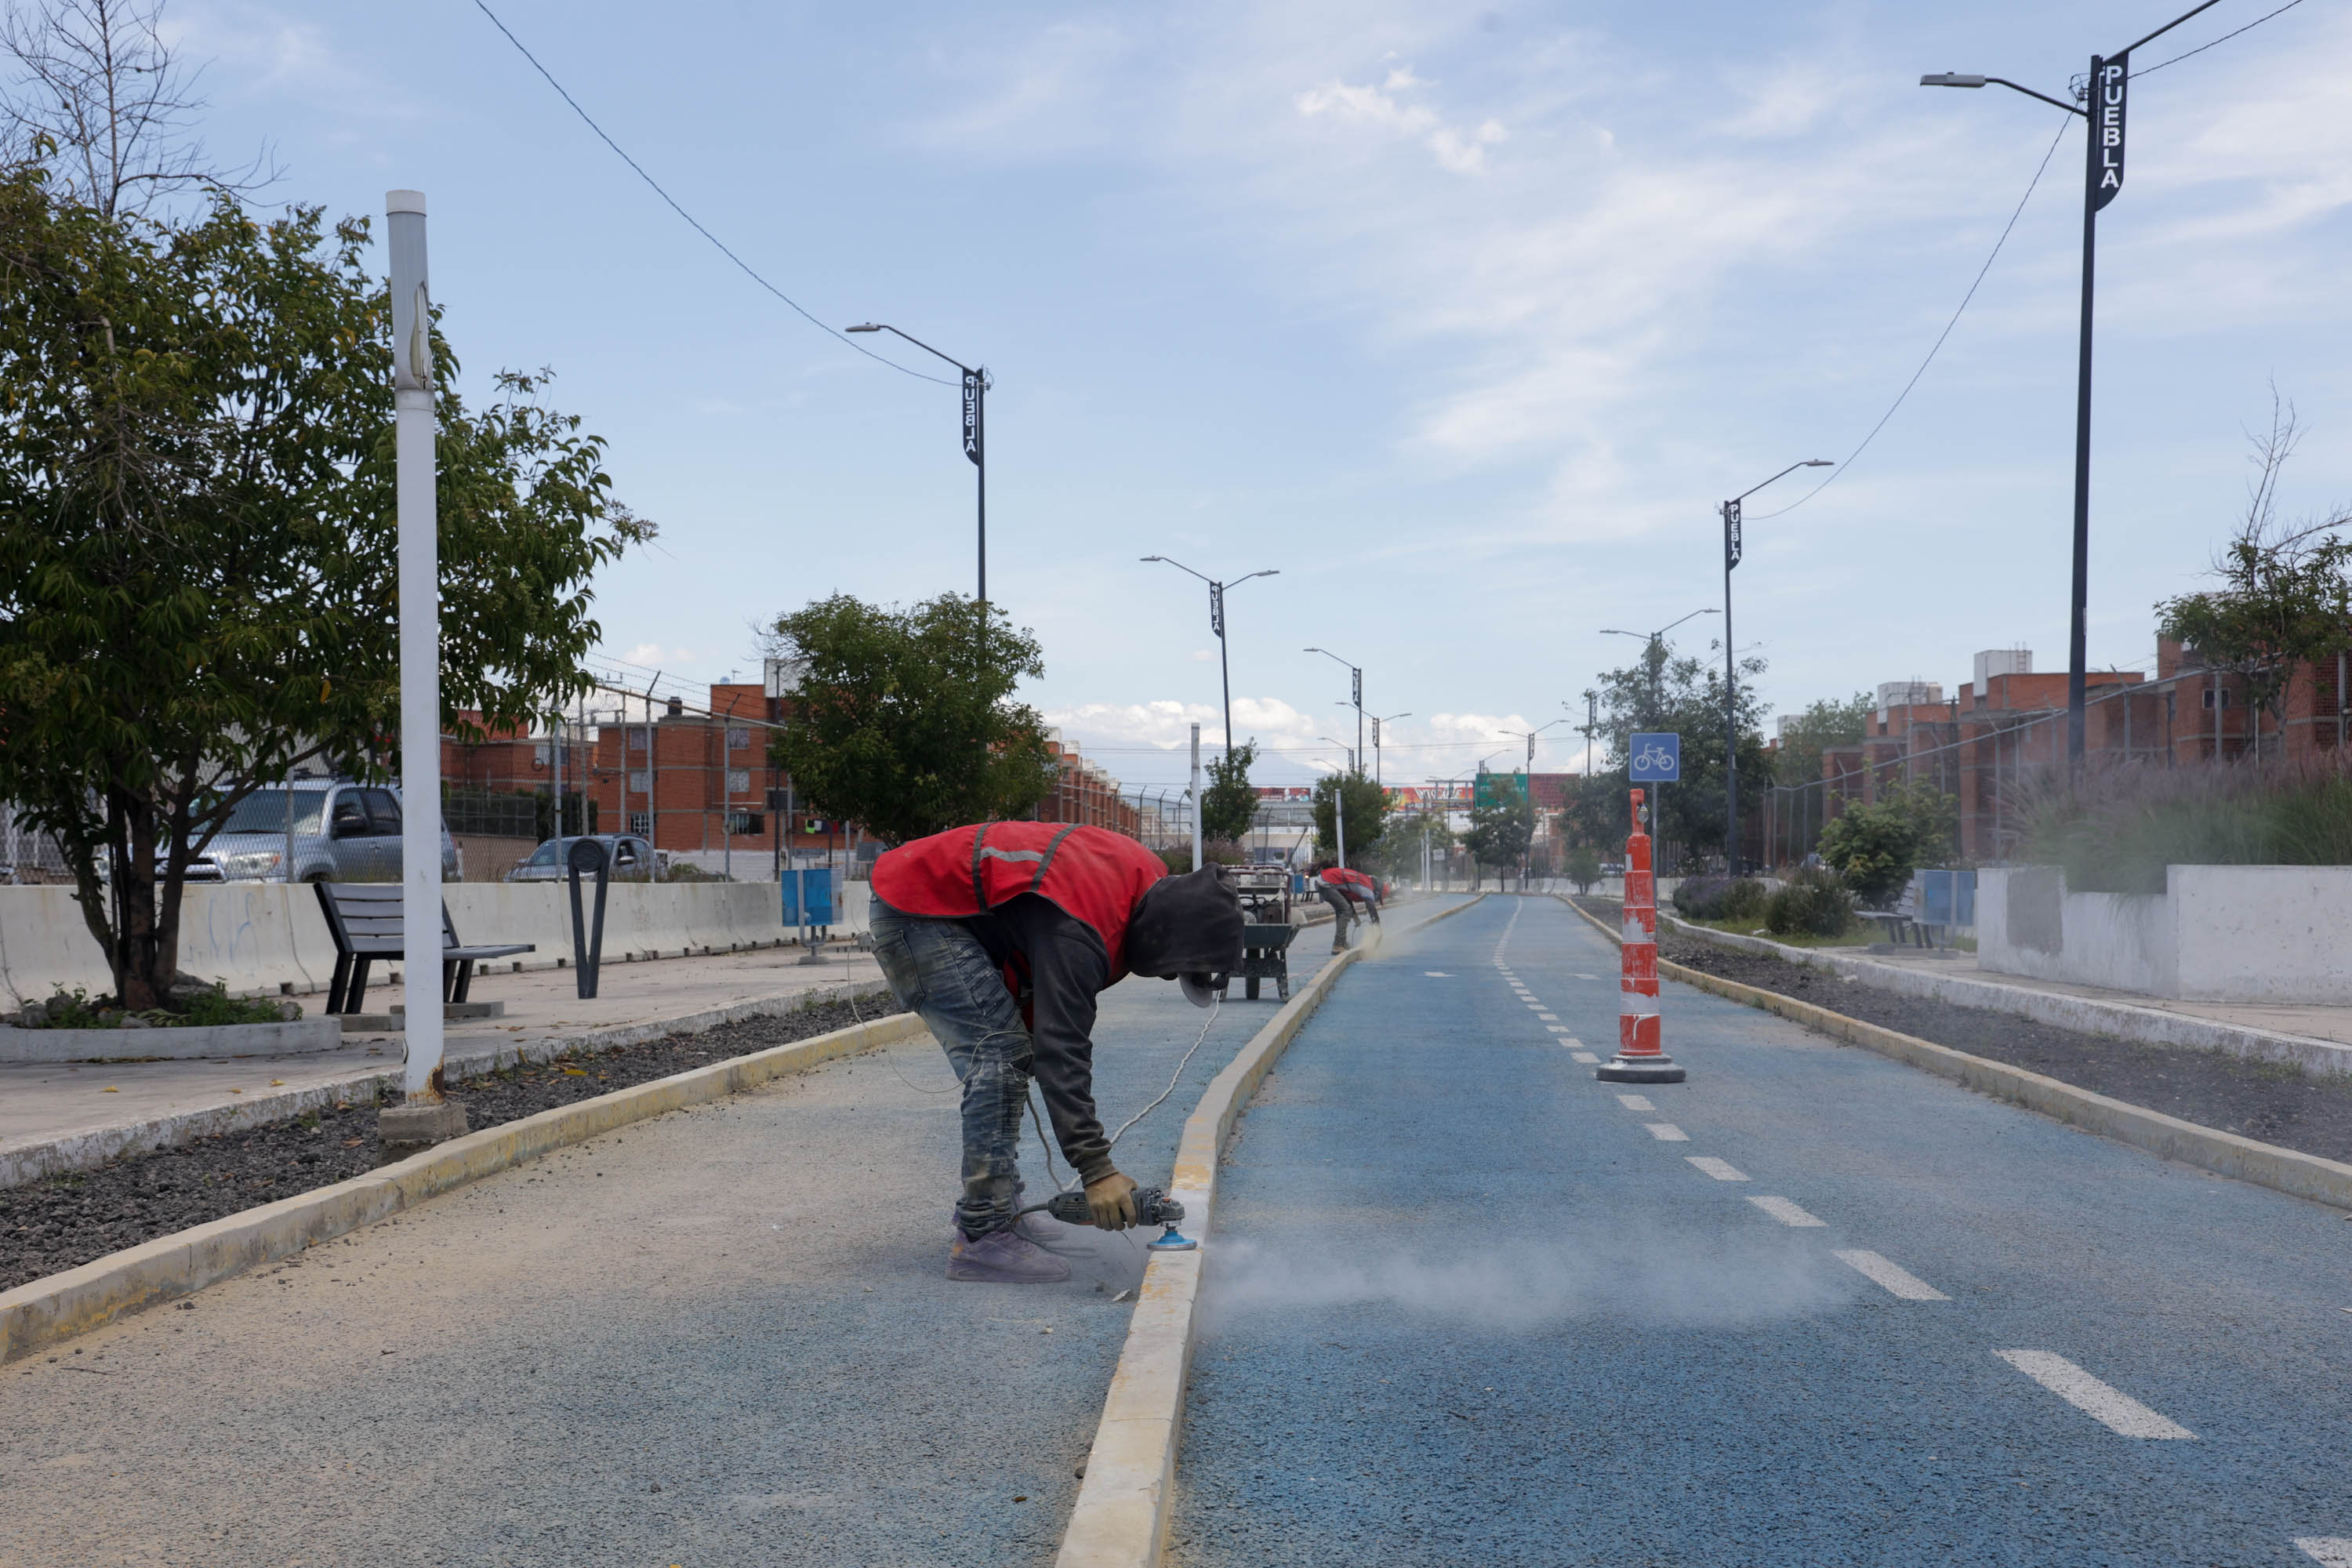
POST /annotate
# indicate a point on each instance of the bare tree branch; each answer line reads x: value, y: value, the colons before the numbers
x: 102, y: 99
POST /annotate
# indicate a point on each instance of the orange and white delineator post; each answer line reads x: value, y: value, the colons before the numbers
x: 1639, y: 1057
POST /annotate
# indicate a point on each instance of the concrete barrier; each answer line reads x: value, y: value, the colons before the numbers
x: 258, y: 938
x: 2216, y: 933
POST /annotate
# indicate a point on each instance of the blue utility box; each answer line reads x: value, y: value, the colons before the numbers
x: 808, y: 896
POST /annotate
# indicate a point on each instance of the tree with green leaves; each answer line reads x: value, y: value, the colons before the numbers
x: 906, y: 720
x: 1228, y: 803
x: 2285, y: 594
x: 1823, y: 724
x: 1367, y: 808
x: 1664, y: 691
x: 1874, y: 845
x: 197, y: 538
x: 1500, y: 827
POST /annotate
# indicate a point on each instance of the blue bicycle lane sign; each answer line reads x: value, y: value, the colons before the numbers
x: 1656, y: 759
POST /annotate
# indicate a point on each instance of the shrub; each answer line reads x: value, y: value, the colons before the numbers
x: 1814, y: 902
x: 1876, y: 845
x: 2118, y: 828
x: 1583, y: 867
x: 1713, y: 898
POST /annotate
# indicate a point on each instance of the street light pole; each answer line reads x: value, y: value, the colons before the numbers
x: 2106, y: 89
x: 416, y: 511
x: 1217, y: 625
x: 1340, y: 804
x: 976, y: 384
x: 1376, y: 721
x: 1731, y: 552
x: 1356, y: 692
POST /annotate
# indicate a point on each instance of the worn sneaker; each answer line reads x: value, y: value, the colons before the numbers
x: 1003, y: 1257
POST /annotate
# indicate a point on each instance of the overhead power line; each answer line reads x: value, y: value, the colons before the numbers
x: 2224, y: 38
x: 1973, y: 287
x: 1839, y: 471
x: 693, y: 222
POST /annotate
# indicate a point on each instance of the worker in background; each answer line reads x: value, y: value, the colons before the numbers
x: 1331, y: 886
x: 1366, y: 892
x: 999, y: 936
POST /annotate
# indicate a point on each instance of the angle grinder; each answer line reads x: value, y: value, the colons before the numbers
x: 1152, y: 1207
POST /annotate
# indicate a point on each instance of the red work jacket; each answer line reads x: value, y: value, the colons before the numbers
x: 1091, y: 874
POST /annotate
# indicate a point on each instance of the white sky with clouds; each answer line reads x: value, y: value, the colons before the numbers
x: 1463, y: 319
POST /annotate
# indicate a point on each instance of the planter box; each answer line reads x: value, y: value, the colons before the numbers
x: 296, y: 1038
x: 2216, y: 933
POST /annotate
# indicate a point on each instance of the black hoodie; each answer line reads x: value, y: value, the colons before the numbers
x: 1183, y: 924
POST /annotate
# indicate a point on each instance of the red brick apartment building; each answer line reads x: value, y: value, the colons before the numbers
x: 698, y: 781
x: 2008, y: 723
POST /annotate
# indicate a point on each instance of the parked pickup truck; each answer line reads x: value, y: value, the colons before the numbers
x: 342, y: 832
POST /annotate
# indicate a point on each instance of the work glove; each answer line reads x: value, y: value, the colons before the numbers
x: 1112, y: 1199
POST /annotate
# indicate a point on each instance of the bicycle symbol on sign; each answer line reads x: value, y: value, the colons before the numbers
x: 1655, y: 758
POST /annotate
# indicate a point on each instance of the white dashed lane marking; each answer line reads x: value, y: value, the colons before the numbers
x: 1635, y: 1102
x: 2113, y: 1408
x: 1437, y: 975
x: 1548, y: 1018
x: 1899, y: 1281
x: 1588, y: 977
x: 1587, y: 1058
x: 1562, y: 1029
x: 1721, y: 1170
x: 1667, y: 1133
x: 1784, y: 1211
x: 2331, y: 1551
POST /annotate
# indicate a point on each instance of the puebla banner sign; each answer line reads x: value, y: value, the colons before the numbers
x: 2110, y: 87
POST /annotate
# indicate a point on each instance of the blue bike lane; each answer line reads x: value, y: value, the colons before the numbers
x: 1467, y: 1304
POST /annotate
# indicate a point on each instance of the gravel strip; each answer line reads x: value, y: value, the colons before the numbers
x: 2267, y: 1100
x: 68, y: 1220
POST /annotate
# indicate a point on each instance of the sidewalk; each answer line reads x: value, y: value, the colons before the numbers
x: 721, y: 1335
x: 71, y: 1116
x: 2311, y: 1021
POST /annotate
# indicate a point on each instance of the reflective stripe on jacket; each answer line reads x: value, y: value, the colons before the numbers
x: 1091, y: 874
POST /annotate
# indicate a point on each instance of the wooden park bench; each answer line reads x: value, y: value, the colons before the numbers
x: 364, y: 919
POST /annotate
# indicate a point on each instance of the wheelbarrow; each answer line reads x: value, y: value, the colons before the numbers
x: 1266, y: 955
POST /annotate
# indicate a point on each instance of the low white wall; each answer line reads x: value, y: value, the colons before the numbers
x: 257, y: 936
x: 2217, y: 934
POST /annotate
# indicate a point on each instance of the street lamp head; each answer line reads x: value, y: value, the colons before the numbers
x: 1819, y: 463
x: 867, y: 327
x: 1952, y: 78
x: 1152, y: 558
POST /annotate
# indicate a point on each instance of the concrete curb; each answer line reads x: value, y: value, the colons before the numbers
x: 298, y: 1037
x: 2150, y: 1026
x: 86, y: 1149
x: 63, y: 1305
x: 1122, y: 1514
x: 2167, y: 1137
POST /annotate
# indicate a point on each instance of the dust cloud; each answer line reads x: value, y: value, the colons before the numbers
x: 1508, y: 1287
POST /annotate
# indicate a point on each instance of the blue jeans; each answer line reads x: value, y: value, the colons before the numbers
x: 939, y: 971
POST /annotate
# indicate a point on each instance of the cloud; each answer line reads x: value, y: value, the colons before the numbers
x: 1384, y: 109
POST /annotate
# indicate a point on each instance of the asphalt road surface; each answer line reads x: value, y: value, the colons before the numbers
x: 721, y: 1337
x: 1469, y: 1305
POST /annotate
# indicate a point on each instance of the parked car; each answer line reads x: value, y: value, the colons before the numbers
x: 631, y: 859
x: 342, y: 832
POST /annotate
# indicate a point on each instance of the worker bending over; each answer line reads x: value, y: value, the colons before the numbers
x: 1351, y: 894
x: 999, y: 936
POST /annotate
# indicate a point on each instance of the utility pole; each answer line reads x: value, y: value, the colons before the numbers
x: 1217, y: 625
x: 425, y: 1118
x: 976, y: 385
x: 1196, y: 797
x: 2106, y: 92
x: 1732, y: 550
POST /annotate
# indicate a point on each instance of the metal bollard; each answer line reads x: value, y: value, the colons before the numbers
x: 588, y: 940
